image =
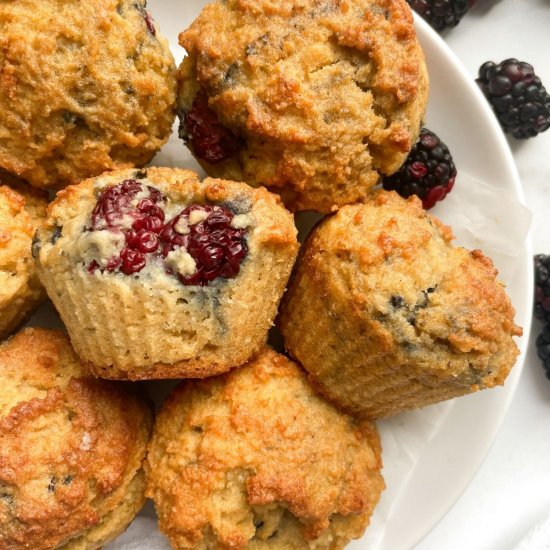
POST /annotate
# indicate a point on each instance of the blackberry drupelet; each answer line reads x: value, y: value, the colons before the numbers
x: 429, y: 171
x: 209, y: 139
x: 441, y: 14
x: 519, y: 100
x: 543, y: 348
x: 542, y: 287
x: 216, y: 247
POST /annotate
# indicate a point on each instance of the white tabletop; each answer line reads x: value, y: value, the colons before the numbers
x: 511, y: 491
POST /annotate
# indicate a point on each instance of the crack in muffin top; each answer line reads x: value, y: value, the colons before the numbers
x: 324, y: 95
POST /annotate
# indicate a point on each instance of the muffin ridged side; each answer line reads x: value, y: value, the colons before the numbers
x: 151, y: 325
x: 386, y: 315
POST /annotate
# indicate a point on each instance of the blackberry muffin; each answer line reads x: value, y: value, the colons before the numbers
x: 159, y: 275
x: 72, y: 448
x: 84, y: 88
x: 254, y: 459
x: 22, y: 209
x: 314, y: 99
x: 386, y: 315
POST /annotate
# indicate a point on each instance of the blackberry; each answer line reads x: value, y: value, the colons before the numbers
x: 542, y: 287
x: 208, y: 138
x: 543, y: 348
x: 206, y: 232
x: 441, y: 14
x: 429, y: 171
x: 519, y: 100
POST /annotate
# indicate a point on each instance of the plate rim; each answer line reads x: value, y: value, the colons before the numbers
x: 461, y: 405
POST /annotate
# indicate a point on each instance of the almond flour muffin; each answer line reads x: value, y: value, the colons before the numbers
x: 254, y: 459
x: 386, y: 315
x: 22, y: 209
x: 84, y: 88
x: 159, y: 275
x: 314, y: 99
x: 71, y: 448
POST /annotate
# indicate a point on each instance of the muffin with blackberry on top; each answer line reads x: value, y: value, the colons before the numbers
x: 84, y: 88
x: 159, y: 275
x: 386, y: 315
x: 254, y: 459
x: 314, y: 99
x: 72, y: 448
x: 22, y: 209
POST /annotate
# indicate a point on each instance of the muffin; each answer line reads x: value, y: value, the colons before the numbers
x: 72, y: 448
x: 254, y: 459
x: 83, y: 89
x: 314, y: 99
x: 22, y: 209
x: 386, y: 315
x: 159, y: 275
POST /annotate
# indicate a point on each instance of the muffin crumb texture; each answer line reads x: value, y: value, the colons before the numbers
x: 402, y: 318
x: 314, y: 99
x: 254, y: 459
x: 84, y: 88
x: 71, y: 448
x: 157, y: 274
x: 22, y: 209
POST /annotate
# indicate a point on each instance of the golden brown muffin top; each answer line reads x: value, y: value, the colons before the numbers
x: 84, y: 87
x: 70, y: 444
x: 325, y: 90
x: 36, y: 200
x: 16, y: 229
x: 407, y: 286
x: 237, y: 460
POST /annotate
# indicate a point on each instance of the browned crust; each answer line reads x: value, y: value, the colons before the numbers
x: 22, y: 209
x: 257, y: 440
x: 70, y: 448
x: 327, y: 96
x: 402, y: 318
x: 71, y: 107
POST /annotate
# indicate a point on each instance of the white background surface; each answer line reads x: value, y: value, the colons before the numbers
x: 511, y: 491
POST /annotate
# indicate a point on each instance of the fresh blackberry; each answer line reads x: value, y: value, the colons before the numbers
x: 519, y: 100
x: 441, y: 14
x: 542, y: 287
x: 429, y: 171
x: 543, y: 348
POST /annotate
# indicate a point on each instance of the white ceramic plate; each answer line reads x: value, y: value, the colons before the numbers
x: 431, y: 455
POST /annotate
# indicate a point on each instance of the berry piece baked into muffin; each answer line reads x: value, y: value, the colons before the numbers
x: 386, y: 315
x: 22, y: 209
x: 314, y: 99
x: 72, y: 448
x: 159, y: 275
x: 254, y: 459
x: 84, y: 88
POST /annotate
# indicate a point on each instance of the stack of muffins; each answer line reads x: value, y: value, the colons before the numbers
x: 288, y: 106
